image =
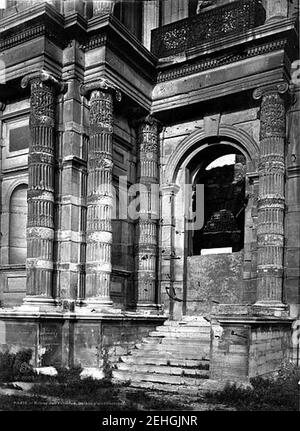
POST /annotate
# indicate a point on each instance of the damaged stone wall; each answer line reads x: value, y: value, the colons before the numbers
x: 213, y: 278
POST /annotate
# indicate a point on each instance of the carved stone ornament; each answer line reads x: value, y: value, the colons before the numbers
x: 44, y: 76
x: 279, y: 87
x: 44, y: 88
x: 101, y: 84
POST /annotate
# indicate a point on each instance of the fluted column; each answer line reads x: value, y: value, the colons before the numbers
x: 146, y: 255
x: 99, y: 193
x: 40, y: 197
x: 271, y: 199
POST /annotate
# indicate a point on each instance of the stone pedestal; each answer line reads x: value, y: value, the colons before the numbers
x: 40, y: 197
x: 248, y: 342
x: 271, y: 198
x: 99, y: 194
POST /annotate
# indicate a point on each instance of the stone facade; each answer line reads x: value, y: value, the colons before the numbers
x: 99, y: 119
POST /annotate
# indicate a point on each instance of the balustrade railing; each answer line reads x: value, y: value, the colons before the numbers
x: 232, y: 18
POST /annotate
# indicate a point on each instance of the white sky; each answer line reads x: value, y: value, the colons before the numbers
x: 229, y: 159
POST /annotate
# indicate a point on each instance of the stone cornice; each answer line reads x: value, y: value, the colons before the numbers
x: 264, y: 39
x: 108, y: 31
x: 41, y: 20
x: 211, y: 62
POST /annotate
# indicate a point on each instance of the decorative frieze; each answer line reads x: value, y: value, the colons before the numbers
x: 99, y: 192
x: 40, y: 197
x: 207, y: 63
x: 271, y: 198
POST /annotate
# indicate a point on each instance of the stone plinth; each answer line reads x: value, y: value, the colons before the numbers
x: 247, y: 342
x: 67, y: 339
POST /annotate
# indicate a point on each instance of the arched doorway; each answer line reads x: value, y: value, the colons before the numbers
x: 214, y: 252
x: 211, y: 265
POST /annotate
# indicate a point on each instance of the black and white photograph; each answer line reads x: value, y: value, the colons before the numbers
x: 149, y: 209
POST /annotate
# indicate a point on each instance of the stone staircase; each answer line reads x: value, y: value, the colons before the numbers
x: 173, y: 358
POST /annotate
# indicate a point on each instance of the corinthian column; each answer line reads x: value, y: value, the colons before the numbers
x: 271, y: 199
x: 40, y: 197
x: 146, y: 255
x: 99, y: 193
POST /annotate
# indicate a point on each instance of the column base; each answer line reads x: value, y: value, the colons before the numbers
x: 277, y: 307
x: 148, y: 308
x: 37, y: 303
x: 98, y: 305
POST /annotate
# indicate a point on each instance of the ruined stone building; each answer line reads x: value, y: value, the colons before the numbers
x: 150, y: 186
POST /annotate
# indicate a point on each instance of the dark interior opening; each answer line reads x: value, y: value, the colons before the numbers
x: 222, y: 171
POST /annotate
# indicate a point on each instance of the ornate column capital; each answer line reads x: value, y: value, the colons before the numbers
x: 281, y: 87
x: 46, y: 77
x: 100, y: 85
x: 148, y: 121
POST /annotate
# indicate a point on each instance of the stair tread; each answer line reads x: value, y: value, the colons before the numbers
x: 164, y: 361
x: 174, y: 357
x: 160, y: 378
x: 163, y: 369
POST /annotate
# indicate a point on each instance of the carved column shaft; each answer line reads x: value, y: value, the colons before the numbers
x: 271, y: 199
x: 99, y: 194
x: 40, y: 197
x: 147, y: 225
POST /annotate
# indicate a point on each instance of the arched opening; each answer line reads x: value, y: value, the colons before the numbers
x: 221, y: 169
x: 17, y: 226
x: 214, y: 250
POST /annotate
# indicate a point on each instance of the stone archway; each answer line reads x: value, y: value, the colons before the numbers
x: 176, y: 174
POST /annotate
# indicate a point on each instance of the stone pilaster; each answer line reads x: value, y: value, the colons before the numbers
x: 99, y: 193
x: 146, y: 236
x: 41, y: 158
x: 168, y: 249
x: 271, y: 197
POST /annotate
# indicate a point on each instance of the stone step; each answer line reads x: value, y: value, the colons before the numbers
x: 171, y: 355
x: 189, y: 335
x: 175, y: 346
x: 156, y: 378
x: 162, y: 369
x: 183, y: 329
x: 194, y: 391
x: 187, y: 323
x: 157, y: 360
x: 206, y: 385
x: 179, y: 341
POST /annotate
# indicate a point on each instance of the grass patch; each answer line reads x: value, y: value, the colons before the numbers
x: 268, y: 394
x: 15, y: 366
x: 67, y: 392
